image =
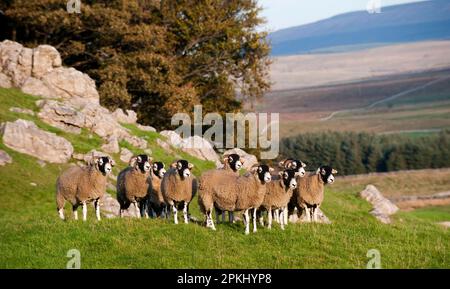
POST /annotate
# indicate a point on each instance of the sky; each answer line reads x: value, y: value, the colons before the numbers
x: 287, y: 13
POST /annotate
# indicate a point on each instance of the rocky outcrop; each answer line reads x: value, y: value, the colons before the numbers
x: 61, y: 116
x: 111, y: 146
x: 194, y: 145
x: 39, y: 71
x: 25, y: 137
x: 128, y: 116
x: 295, y: 218
x: 382, y: 207
x: 4, y: 158
x: 125, y: 155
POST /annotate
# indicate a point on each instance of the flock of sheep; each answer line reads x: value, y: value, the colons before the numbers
x: 156, y: 193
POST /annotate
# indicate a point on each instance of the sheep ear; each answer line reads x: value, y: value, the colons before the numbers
x: 225, y: 160
x: 281, y: 164
x: 242, y: 160
x: 174, y: 165
x: 271, y: 169
x: 318, y: 171
x: 150, y: 159
x: 303, y: 165
x: 333, y: 171
x: 254, y: 169
x: 281, y: 173
x: 190, y: 166
x: 132, y: 161
x: 112, y: 162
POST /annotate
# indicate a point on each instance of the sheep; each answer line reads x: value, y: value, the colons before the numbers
x: 278, y: 195
x: 231, y: 163
x: 133, y: 184
x: 82, y: 185
x: 309, y: 194
x: 156, y: 202
x: 235, y: 193
x: 179, y: 186
x: 289, y: 164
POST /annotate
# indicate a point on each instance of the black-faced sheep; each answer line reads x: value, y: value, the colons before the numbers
x: 133, y: 185
x: 235, y: 193
x: 82, y: 185
x: 278, y: 195
x: 231, y: 164
x: 289, y: 164
x: 179, y: 186
x: 310, y: 192
x: 157, y: 205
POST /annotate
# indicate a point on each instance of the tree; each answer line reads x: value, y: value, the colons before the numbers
x: 157, y: 57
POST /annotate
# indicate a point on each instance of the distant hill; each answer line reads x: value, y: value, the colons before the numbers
x: 395, y: 24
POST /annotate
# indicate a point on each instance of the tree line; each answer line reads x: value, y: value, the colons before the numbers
x: 360, y: 153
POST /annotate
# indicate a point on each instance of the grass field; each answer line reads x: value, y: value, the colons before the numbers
x: 33, y: 236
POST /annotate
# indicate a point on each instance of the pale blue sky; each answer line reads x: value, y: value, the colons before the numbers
x: 286, y: 13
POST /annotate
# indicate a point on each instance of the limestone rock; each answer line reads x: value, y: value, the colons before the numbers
x: 5, y: 81
x: 112, y: 145
x: 125, y: 117
x: 4, y: 158
x: 249, y: 160
x: 25, y: 137
x: 61, y: 116
x: 125, y: 155
x: 382, y: 207
x: 45, y: 58
x: 146, y: 128
x: 295, y: 218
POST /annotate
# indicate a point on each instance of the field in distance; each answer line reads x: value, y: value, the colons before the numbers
x: 418, y: 102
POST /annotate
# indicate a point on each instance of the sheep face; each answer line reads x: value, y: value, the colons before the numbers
x: 326, y: 173
x: 263, y: 173
x: 183, y: 167
x: 234, y: 161
x: 104, y: 164
x: 158, y: 169
x: 143, y: 163
x: 289, y: 178
x: 296, y: 165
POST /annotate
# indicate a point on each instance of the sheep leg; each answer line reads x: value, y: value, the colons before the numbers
x: 84, y: 206
x: 185, y: 213
x: 210, y: 221
x: 254, y: 220
x: 260, y: 213
x: 282, y: 219
x: 75, y: 212
x: 97, y: 209
x: 231, y: 217
x: 144, y: 209
x: 137, y: 209
x: 246, y: 222
x: 217, y: 215
x: 175, y: 213
x: 314, y: 214
x: 223, y: 216
x: 61, y: 213
x: 277, y: 216
x: 286, y: 217
x: 307, y: 213
x: 269, y: 216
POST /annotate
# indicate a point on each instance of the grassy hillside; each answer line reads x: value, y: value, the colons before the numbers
x: 32, y: 235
